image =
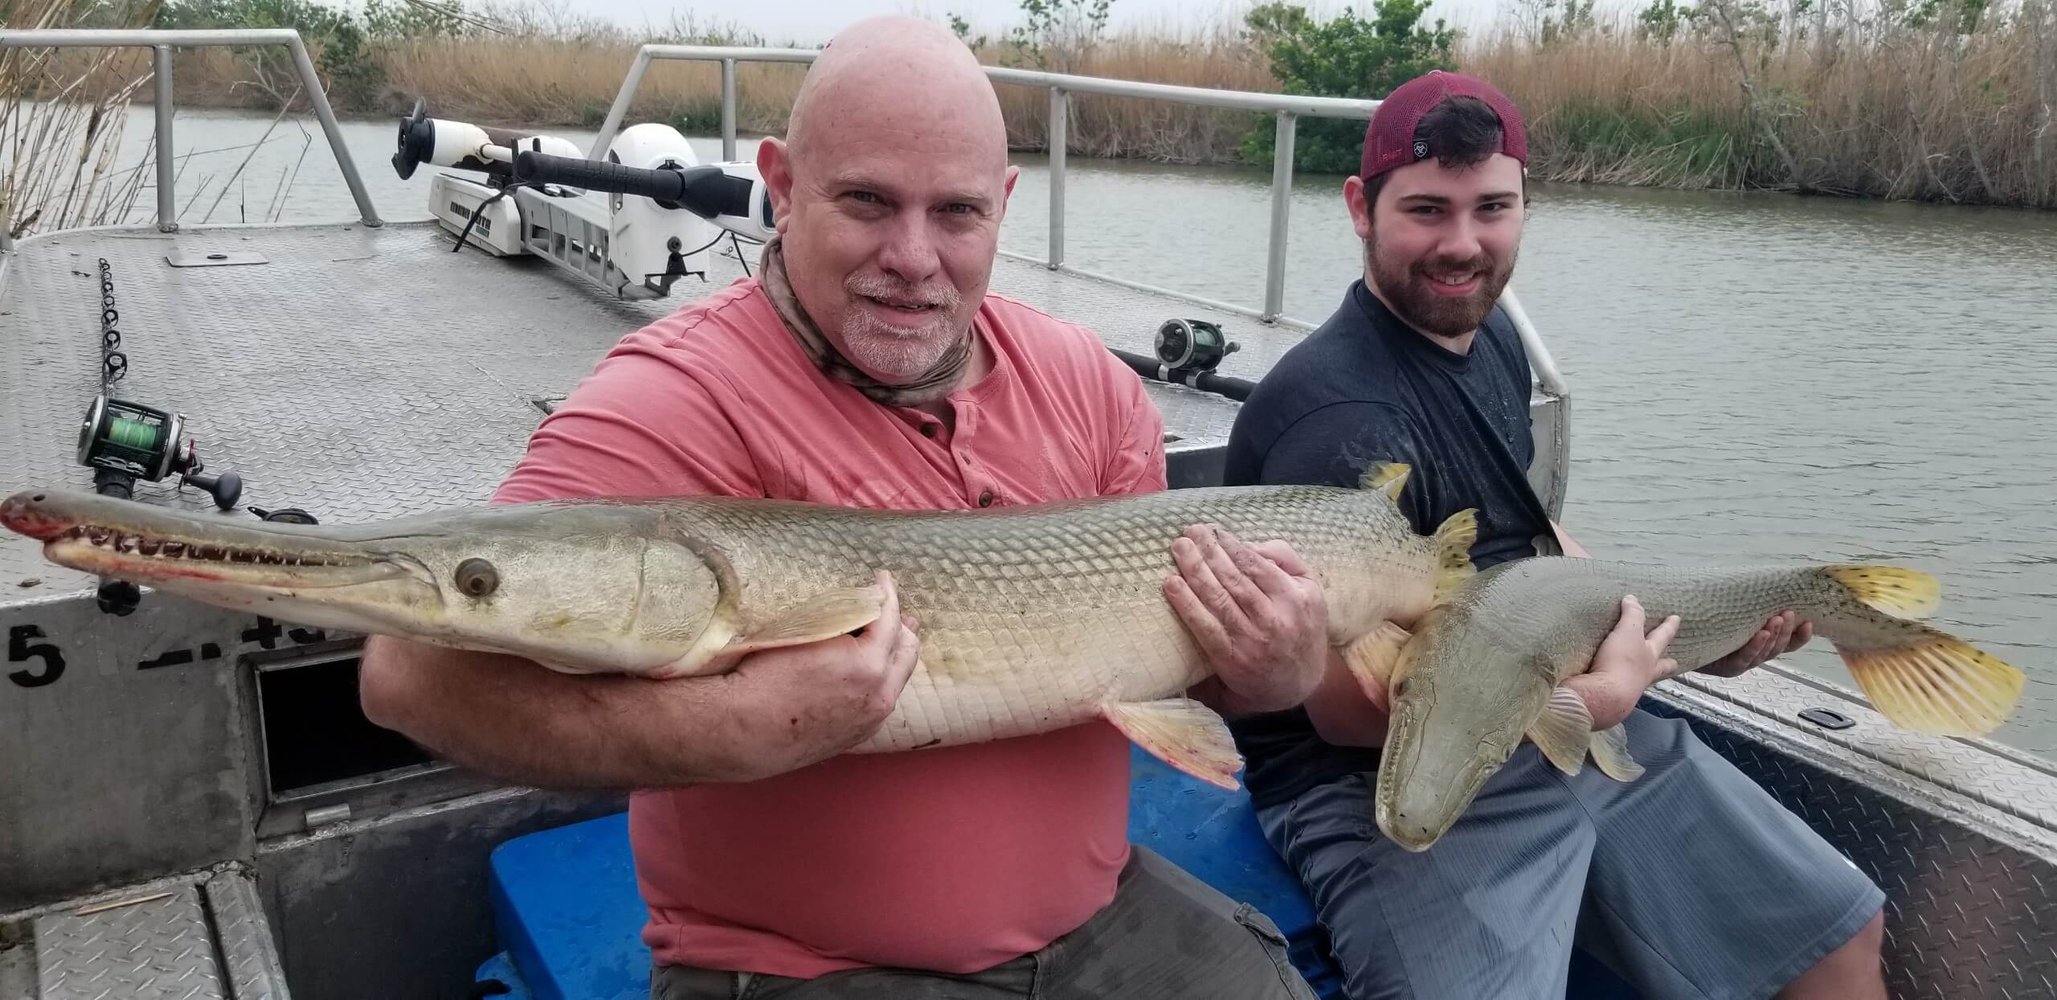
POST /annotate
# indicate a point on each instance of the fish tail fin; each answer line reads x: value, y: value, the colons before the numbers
x: 1937, y: 684
x: 1453, y: 541
x: 1919, y: 677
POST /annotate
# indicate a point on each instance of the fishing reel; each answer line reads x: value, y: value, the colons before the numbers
x: 1192, y: 345
x: 123, y: 442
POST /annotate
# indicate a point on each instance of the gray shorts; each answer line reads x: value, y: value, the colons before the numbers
x: 1690, y: 882
x: 1166, y: 934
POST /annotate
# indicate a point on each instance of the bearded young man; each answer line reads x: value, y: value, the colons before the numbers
x: 1690, y: 881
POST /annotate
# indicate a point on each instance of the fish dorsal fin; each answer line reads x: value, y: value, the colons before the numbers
x: 1374, y: 658
x: 825, y: 615
x: 1564, y: 730
x: 1610, y: 753
x: 1386, y: 477
x: 1183, y: 733
x: 1453, y: 541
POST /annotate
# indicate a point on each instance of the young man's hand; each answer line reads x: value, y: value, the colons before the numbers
x: 1782, y: 633
x: 1258, y: 614
x: 1626, y: 664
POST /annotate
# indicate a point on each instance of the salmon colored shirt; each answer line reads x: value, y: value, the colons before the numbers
x: 951, y: 859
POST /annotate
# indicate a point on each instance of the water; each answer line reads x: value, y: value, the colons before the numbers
x: 1752, y: 377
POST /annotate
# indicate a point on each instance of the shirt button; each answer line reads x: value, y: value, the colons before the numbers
x: 986, y: 498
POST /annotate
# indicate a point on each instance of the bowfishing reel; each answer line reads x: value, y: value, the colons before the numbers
x: 123, y: 442
x: 1192, y: 345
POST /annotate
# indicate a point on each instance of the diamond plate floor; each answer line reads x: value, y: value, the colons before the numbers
x: 362, y: 372
x: 197, y: 936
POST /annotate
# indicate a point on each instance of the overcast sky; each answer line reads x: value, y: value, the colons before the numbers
x: 811, y: 21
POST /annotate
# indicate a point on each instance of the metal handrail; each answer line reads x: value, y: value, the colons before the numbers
x: 1287, y: 107
x: 161, y: 41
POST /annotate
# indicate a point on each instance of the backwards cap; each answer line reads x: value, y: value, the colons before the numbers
x: 1389, y: 142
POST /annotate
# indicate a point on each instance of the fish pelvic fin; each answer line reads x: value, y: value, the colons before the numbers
x: 825, y: 615
x: 1937, y: 684
x: 1902, y: 593
x: 1453, y: 541
x: 1564, y: 730
x: 1610, y: 753
x: 1182, y: 733
x: 1386, y: 477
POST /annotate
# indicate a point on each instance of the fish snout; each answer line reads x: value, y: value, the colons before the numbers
x: 1410, y: 831
x: 31, y: 513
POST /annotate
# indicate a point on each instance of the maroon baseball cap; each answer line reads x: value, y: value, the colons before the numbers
x: 1389, y: 142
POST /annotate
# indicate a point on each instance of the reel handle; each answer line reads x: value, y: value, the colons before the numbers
x: 226, y: 488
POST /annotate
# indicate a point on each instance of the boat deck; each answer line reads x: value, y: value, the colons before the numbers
x: 360, y: 373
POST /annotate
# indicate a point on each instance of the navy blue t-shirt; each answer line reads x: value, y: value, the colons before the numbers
x: 1362, y: 389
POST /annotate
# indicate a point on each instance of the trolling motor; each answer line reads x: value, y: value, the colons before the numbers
x: 663, y: 214
x: 445, y: 143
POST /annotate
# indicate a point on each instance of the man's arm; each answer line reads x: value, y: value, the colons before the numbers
x: 1629, y: 661
x: 506, y: 716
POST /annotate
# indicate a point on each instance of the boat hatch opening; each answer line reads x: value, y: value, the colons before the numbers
x: 315, y: 735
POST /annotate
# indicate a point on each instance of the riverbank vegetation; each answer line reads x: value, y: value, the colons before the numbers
x: 1934, y: 100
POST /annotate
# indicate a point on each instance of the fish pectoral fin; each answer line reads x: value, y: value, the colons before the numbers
x: 1183, y: 733
x: 1564, y: 730
x: 1375, y: 655
x: 823, y: 616
x: 1610, y: 753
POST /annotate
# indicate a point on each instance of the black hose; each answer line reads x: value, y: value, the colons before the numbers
x: 1221, y: 385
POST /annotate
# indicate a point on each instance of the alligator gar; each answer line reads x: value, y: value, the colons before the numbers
x: 1031, y: 618
x: 1485, y: 668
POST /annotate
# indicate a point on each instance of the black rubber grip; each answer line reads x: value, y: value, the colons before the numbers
x: 599, y: 175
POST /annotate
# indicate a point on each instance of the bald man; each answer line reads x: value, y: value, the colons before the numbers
x: 867, y: 364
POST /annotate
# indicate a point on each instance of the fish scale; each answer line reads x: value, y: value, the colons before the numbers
x: 1041, y: 614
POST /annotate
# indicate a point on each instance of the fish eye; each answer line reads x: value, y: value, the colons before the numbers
x: 477, y: 577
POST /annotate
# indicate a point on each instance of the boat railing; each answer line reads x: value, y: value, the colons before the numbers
x: 161, y: 42
x: 1287, y: 109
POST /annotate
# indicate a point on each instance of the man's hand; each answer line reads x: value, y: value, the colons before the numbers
x: 797, y: 705
x: 1627, y: 663
x: 1256, y: 612
x: 1783, y: 633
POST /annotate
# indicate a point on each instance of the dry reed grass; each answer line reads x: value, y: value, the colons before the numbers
x: 1846, y: 105
x: 61, y: 116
